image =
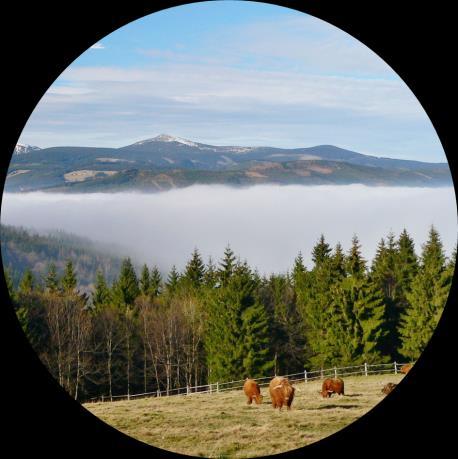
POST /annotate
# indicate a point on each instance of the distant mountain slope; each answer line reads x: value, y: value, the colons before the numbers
x: 84, y: 168
x: 22, y: 249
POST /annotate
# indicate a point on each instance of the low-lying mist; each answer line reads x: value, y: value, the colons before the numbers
x: 266, y: 225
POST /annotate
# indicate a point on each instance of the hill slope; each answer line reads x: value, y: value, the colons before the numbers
x: 223, y: 425
x: 23, y: 249
x: 184, y: 162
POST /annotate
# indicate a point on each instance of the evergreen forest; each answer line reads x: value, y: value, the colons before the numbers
x: 222, y: 321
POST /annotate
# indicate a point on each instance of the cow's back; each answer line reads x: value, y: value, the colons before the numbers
x: 274, y: 394
x: 338, y: 386
x: 251, y: 388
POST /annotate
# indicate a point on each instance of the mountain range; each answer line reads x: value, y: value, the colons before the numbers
x: 165, y: 162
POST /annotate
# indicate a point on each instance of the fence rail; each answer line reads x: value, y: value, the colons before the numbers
x: 304, y: 376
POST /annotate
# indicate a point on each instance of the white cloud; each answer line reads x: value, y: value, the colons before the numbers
x: 98, y: 46
x: 226, y: 88
x: 267, y: 225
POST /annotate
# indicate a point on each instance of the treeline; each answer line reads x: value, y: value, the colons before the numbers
x: 219, y: 322
x: 24, y: 249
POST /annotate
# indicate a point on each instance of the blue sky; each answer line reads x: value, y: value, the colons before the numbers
x: 234, y: 73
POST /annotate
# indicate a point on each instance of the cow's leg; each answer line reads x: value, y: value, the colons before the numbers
x: 249, y: 401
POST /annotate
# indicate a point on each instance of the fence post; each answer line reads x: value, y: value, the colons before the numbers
x: 365, y: 368
x: 187, y: 390
x: 210, y: 388
x: 102, y: 399
x: 322, y: 376
x: 217, y: 386
x: 395, y: 368
x: 158, y: 393
x: 335, y: 372
x: 305, y: 376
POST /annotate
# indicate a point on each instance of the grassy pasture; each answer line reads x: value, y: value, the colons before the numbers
x: 223, y: 425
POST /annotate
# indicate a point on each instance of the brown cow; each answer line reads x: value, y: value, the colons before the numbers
x: 332, y: 385
x: 388, y: 388
x: 406, y: 368
x: 281, y: 392
x: 252, y: 391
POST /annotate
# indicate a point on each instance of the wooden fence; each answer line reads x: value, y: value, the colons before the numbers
x: 304, y: 376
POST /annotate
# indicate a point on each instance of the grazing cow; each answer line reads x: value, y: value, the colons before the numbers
x: 252, y: 391
x: 281, y: 392
x: 388, y: 388
x: 406, y: 368
x: 332, y: 385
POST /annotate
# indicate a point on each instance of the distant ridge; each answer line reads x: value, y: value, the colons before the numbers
x: 166, y: 161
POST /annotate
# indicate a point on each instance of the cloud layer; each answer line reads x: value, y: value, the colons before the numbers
x: 267, y: 225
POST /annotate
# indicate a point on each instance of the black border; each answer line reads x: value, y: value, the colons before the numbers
x: 417, y: 40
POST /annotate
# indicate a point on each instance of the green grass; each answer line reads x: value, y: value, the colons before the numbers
x: 223, y: 425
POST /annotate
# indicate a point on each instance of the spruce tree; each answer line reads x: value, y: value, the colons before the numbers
x: 195, y: 270
x: 338, y: 261
x: 407, y: 265
x: 235, y: 322
x: 210, y: 277
x: 321, y: 252
x: 126, y: 288
x: 145, y: 280
x: 356, y: 265
x: 287, y: 331
x: 69, y: 281
x: 313, y: 299
x: 256, y: 357
x: 227, y: 266
x: 355, y: 329
x: 102, y: 294
x: 52, y: 281
x: 433, y: 256
x: 427, y: 297
x: 384, y: 276
x: 155, y: 282
x: 172, y: 280
x: 299, y: 270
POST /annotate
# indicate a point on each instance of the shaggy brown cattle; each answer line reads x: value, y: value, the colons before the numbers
x: 332, y: 385
x: 388, y: 388
x: 406, y: 368
x: 281, y: 392
x: 252, y: 391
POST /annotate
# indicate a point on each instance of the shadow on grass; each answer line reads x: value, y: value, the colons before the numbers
x: 353, y: 395
x: 331, y: 407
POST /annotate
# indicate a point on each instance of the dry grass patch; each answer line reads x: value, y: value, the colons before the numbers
x: 82, y: 175
x: 223, y: 425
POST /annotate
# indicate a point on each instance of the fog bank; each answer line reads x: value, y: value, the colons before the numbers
x: 266, y: 225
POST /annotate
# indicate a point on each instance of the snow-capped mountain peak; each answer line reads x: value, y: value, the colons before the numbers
x: 22, y: 149
x: 168, y: 138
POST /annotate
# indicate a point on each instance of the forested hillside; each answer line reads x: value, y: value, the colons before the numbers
x: 222, y: 322
x: 24, y: 249
x: 167, y: 162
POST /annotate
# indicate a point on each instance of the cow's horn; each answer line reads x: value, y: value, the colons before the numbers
x: 277, y: 387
